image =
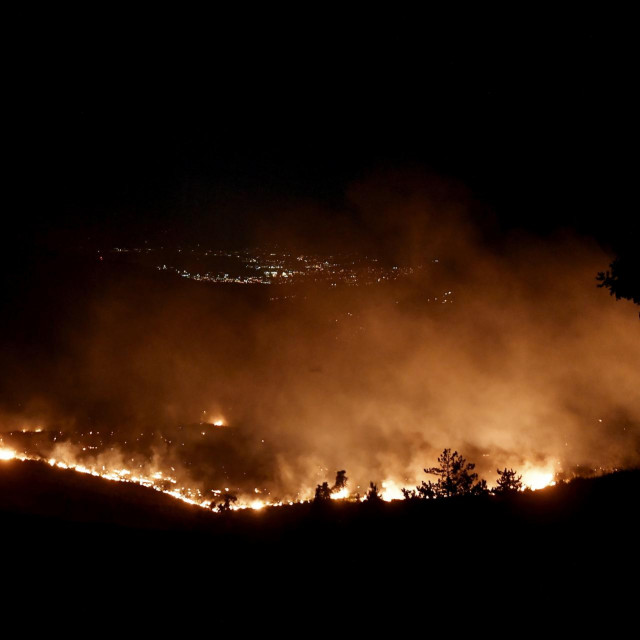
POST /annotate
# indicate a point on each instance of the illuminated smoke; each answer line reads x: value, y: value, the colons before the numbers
x: 505, y: 351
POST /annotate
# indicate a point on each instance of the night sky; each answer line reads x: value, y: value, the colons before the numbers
x: 199, y: 136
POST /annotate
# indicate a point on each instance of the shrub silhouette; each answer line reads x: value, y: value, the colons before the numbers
x: 373, y: 495
x: 227, y: 500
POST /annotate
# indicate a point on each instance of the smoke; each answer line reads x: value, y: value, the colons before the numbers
x: 499, y: 345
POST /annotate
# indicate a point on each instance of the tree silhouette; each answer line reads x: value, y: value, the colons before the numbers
x: 455, y: 477
x: 341, y: 481
x: 323, y: 493
x: 623, y: 278
x: 508, y: 482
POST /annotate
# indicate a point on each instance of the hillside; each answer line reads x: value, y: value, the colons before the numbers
x: 580, y: 530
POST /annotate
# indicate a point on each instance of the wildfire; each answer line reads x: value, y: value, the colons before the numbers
x: 155, y: 480
x: 391, y: 491
x: 536, y: 479
x: 533, y: 477
x: 190, y: 496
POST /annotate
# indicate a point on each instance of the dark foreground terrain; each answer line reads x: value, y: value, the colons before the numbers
x: 82, y: 529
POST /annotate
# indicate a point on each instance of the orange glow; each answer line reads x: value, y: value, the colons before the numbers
x: 391, y: 491
x: 528, y: 365
x: 535, y: 479
x: 155, y: 480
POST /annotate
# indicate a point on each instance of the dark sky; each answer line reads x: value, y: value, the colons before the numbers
x: 200, y: 134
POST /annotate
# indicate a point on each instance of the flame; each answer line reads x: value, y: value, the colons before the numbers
x: 391, y: 491
x: 538, y: 478
x: 156, y: 480
x: 533, y: 477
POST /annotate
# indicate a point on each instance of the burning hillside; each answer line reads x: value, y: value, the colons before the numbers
x: 505, y: 350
